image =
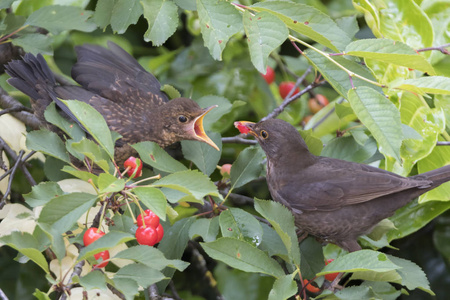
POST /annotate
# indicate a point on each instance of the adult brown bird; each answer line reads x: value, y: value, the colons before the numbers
x: 116, y: 85
x: 332, y: 199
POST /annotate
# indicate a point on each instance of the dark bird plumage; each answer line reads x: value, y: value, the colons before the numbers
x: 332, y: 199
x: 116, y: 85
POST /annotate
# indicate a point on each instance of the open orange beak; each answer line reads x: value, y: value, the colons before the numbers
x: 245, y: 127
x: 199, y: 131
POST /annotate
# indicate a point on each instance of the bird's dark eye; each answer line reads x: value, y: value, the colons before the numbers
x: 182, y: 119
x: 264, y: 134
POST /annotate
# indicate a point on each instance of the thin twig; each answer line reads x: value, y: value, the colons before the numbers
x: 76, y: 272
x: 17, y: 108
x: 326, y: 115
x: 7, y: 102
x: 14, y: 169
x: 3, y: 295
x: 238, y: 140
x: 288, y: 100
x: 13, y: 156
x: 442, y: 143
x: 438, y: 48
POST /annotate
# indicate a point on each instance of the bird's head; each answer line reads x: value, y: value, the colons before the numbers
x: 183, y: 120
x: 276, y: 137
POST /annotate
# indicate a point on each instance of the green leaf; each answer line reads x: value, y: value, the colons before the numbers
x: 47, y: 142
x: 142, y: 274
x: 151, y: 257
x: 57, y: 18
x: 312, y: 260
x: 41, y: 295
x: 94, y: 280
x: 428, y: 84
x: 347, y: 148
x: 153, y: 198
x: 123, y: 14
x: 401, y: 20
x: 27, y: 245
x: 380, y: 116
x: 415, y: 216
x: 427, y: 123
x: 62, y: 212
x: 34, y: 43
x: 173, y: 245
x: 337, y: 77
x: 203, y: 155
x: 282, y: 221
x: 108, y: 183
x: 126, y: 286
x: 208, y: 229
x: 389, y: 51
x: 91, y: 150
x: 314, y: 144
x: 439, y: 157
x: 71, y: 128
x: 162, y: 18
x: 191, y: 182
x: 410, y: 275
x: 156, y: 157
x: 93, y: 122
x: 170, y: 91
x: 243, y: 256
x: 283, y: 288
x: 265, y: 33
x: 369, y: 290
x: 106, y: 242
x: 308, y: 21
x: 6, y: 3
x: 210, y: 121
x: 219, y: 20
x: 83, y: 175
x: 363, y: 260
x: 42, y: 193
x: 247, y: 167
x: 239, y: 224
x: 272, y: 243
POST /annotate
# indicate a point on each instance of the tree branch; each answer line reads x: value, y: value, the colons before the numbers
x: 8, y: 102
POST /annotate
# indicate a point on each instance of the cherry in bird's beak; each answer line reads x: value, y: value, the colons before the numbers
x: 245, y: 127
x: 199, y: 132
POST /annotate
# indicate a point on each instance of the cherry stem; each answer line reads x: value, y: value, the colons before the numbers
x: 146, y: 179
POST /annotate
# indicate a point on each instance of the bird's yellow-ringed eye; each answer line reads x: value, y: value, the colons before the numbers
x: 182, y: 119
x: 264, y: 134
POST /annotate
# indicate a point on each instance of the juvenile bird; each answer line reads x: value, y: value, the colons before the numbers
x: 332, y: 199
x: 118, y: 87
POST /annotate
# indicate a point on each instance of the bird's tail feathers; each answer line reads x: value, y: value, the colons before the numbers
x: 437, y: 176
x: 31, y: 76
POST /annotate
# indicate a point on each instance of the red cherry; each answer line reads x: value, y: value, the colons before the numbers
x: 241, y: 127
x: 159, y: 232
x: 310, y: 287
x: 146, y: 236
x: 91, y: 235
x: 317, y: 103
x: 150, y: 219
x: 331, y: 276
x: 135, y: 167
x: 269, y: 77
x: 285, y: 87
x: 225, y: 170
x: 104, y: 255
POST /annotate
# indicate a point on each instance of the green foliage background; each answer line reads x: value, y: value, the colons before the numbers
x: 389, y: 105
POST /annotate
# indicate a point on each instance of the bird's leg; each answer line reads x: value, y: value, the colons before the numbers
x: 301, y: 235
x: 334, y: 285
